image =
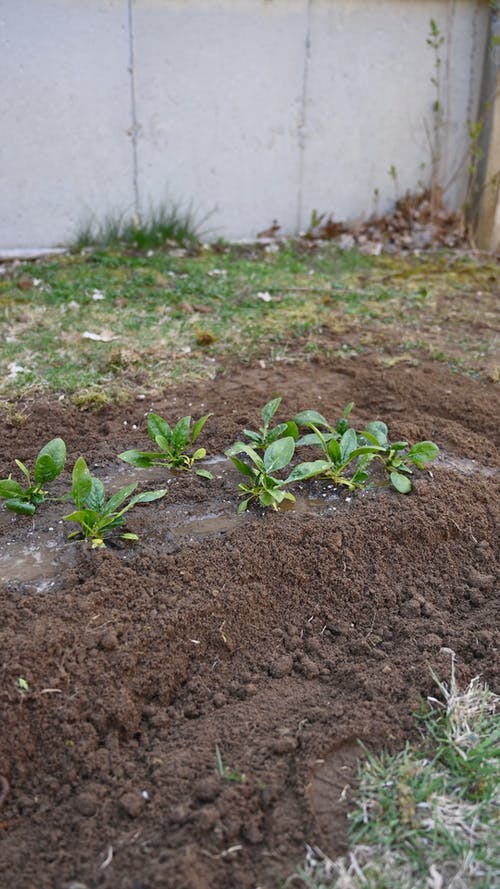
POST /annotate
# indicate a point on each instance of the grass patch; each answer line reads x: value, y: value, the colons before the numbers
x: 427, y: 817
x: 122, y: 318
x: 162, y: 224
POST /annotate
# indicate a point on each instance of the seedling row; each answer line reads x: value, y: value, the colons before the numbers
x: 268, y: 459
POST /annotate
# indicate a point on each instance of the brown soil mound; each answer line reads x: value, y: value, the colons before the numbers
x: 278, y: 639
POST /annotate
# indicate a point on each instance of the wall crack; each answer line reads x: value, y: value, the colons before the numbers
x: 134, y: 129
x: 302, y: 122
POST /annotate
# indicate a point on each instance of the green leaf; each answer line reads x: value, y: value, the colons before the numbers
x: 372, y: 439
x: 81, y: 482
x: 10, y: 488
x: 342, y: 424
x: 401, y: 482
x: 243, y: 467
x: 279, y: 454
x: 96, y: 497
x: 307, y: 470
x: 158, y: 426
x: 379, y: 430
x: 140, y: 459
x: 360, y: 476
x: 107, y: 523
x: 243, y: 505
x: 239, y: 447
x: 86, y: 518
x: 24, y: 469
x: 129, y: 536
x: 21, y: 507
x: 44, y: 470
x: 268, y: 498
x: 269, y: 410
x: 423, y: 452
x: 166, y: 445
x: 398, y: 445
x: 204, y: 473
x: 198, y: 426
x: 348, y: 444
x: 50, y: 461
x: 118, y: 498
x: 310, y: 439
x: 199, y: 454
x: 292, y: 429
x: 276, y: 432
x: 367, y: 450
x: 253, y: 436
x: 147, y: 497
x: 180, y: 435
x: 334, y: 452
x: 306, y: 418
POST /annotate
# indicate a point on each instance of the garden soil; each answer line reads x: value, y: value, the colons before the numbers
x: 274, y: 641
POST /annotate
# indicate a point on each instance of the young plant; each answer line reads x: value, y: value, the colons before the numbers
x: 174, y: 445
x: 260, y: 484
x: 99, y: 517
x: 266, y: 436
x: 48, y: 465
x: 342, y: 445
x: 225, y: 771
x: 397, y: 456
x: 339, y: 453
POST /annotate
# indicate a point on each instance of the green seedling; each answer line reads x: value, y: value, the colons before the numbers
x: 344, y: 461
x: 260, y: 483
x: 398, y: 457
x: 48, y: 465
x: 266, y: 436
x: 342, y: 445
x: 314, y: 419
x: 174, y: 444
x: 98, y: 517
x: 225, y: 771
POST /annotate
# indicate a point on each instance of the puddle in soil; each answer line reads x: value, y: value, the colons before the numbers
x: 463, y: 465
x: 38, y: 564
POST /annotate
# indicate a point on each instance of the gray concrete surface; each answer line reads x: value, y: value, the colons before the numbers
x: 245, y: 111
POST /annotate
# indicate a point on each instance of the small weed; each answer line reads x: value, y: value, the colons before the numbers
x: 14, y: 416
x: 97, y: 517
x: 93, y: 399
x: 48, y: 465
x: 225, y: 771
x: 174, y: 445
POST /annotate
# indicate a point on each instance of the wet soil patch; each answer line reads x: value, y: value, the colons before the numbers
x: 280, y: 639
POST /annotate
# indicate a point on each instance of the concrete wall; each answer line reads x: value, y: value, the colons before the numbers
x: 247, y: 110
